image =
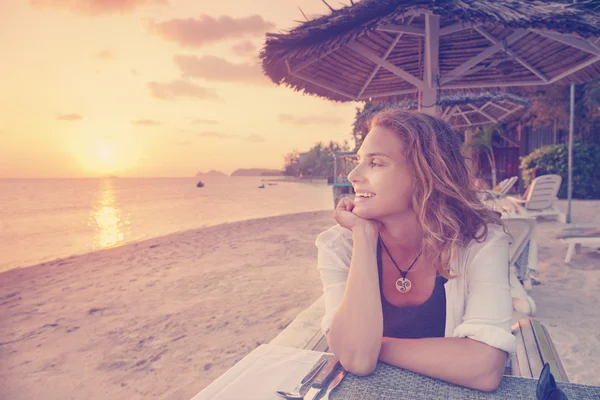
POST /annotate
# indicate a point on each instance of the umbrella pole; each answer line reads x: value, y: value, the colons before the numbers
x: 429, y: 92
x: 570, y: 161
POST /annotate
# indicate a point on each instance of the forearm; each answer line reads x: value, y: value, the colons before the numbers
x: 462, y: 361
x: 357, y: 327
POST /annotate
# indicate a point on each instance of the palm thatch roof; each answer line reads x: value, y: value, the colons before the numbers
x: 378, y: 48
x: 460, y: 111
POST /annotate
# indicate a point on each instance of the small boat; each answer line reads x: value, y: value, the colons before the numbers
x: 200, y: 184
x: 261, y: 187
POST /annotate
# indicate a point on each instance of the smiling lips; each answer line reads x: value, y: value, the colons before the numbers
x: 364, y: 195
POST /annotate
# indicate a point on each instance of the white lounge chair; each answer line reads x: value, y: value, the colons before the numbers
x: 522, y: 257
x: 540, y: 198
x: 503, y: 187
x: 575, y: 237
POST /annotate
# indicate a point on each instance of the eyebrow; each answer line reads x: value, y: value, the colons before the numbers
x: 376, y: 154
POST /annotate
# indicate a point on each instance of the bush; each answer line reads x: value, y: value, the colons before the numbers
x: 554, y: 160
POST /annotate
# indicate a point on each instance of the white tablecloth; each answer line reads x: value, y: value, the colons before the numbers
x: 258, y: 375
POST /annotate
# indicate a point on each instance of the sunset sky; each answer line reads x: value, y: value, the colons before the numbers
x: 150, y: 88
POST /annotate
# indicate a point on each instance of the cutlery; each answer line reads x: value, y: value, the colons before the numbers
x: 323, y: 378
x: 307, y: 380
x: 334, y: 383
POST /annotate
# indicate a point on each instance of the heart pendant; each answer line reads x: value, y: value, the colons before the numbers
x: 403, y: 285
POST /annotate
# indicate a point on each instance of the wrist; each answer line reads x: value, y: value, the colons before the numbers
x: 366, y: 230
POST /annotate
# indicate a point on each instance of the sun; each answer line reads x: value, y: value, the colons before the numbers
x: 103, y: 149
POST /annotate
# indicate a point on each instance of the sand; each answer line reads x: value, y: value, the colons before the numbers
x: 161, y: 319
x: 158, y: 319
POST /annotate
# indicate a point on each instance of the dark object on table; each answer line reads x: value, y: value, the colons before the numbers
x: 200, y: 184
x: 546, y: 387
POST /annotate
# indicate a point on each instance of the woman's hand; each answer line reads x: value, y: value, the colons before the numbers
x: 345, y: 217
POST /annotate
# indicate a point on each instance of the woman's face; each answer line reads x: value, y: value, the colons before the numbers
x: 382, y: 180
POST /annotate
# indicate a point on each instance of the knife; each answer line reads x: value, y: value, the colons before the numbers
x: 323, y: 378
x: 334, y: 383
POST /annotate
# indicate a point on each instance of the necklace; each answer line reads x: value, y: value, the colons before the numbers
x: 403, y: 285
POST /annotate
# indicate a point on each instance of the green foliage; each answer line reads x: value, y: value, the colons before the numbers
x: 554, y: 160
x: 318, y: 162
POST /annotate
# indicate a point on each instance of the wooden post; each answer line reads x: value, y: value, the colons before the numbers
x: 429, y: 95
x: 468, y: 151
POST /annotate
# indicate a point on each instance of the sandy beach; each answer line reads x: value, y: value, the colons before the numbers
x: 158, y: 319
x: 163, y: 318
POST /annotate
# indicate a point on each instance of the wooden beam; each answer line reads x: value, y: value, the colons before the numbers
x: 575, y: 69
x: 450, y: 29
x: 306, y: 63
x: 485, y: 114
x: 395, y: 28
x: 385, y: 56
x: 429, y: 95
x: 502, y: 108
x: 321, y: 84
x: 390, y: 93
x: 517, y: 58
x: 489, y: 84
x: 570, y: 41
x: 399, y: 72
x: 467, y: 65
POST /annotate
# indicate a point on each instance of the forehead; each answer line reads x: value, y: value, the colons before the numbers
x: 382, y: 140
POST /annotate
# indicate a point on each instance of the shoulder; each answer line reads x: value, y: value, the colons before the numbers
x: 335, y: 237
x: 494, y: 245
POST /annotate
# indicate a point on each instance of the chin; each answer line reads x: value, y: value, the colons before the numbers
x: 364, y: 212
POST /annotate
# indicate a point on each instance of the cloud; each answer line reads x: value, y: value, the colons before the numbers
x: 254, y: 138
x: 217, y: 135
x: 69, y: 117
x: 146, y: 122
x: 182, y: 143
x: 95, y: 7
x: 204, y: 30
x: 106, y: 55
x: 202, y: 121
x: 310, y: 119
x: 181, y: 88
x: 245, y: 49
x: 215, y: 68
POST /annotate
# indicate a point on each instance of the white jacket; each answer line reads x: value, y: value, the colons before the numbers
x: 478, y: 299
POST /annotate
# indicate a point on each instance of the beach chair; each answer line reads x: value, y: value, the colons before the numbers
x: 522, y: 253
x: 576, y: 237
x: 540, y: 198
x: 503, y: 187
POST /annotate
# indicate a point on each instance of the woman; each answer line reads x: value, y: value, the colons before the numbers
x: 416, y: 272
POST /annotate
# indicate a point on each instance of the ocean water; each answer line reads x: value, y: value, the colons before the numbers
x: 46, y: 219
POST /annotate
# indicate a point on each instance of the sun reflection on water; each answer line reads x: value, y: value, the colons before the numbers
x: 106, y: 218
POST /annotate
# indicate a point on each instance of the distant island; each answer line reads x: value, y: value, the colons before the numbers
x: 256, y: 172
x: 212, y: 172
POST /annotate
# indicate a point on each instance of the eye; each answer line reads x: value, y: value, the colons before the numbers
x: 374, y: 164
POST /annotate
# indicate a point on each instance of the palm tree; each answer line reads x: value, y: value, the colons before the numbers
x: 483, y: 142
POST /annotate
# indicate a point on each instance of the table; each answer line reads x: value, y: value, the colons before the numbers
x: 271, y: 367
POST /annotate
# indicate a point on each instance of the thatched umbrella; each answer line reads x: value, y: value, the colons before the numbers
x: 462, y: 111
x: 415, y: 49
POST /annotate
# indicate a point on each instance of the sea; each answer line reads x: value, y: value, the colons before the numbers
x: 46, y: 219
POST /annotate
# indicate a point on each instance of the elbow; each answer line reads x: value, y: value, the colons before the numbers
x: 360, y: 367
x: 490, y: 380
x: 488, y: 383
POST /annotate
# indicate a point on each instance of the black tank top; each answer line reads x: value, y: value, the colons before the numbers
x: 423, y: 321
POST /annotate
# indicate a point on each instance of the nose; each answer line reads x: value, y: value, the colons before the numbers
x: 354, y: 176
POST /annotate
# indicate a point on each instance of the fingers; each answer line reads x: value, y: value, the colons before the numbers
x: 346, y: 204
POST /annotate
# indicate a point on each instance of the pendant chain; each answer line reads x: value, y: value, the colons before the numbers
x: 402, y: 272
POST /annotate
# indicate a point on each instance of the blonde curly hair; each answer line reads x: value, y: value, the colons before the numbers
x: 445, y: 198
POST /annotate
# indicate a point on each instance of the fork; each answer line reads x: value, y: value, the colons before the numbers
x: 306, y: 381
